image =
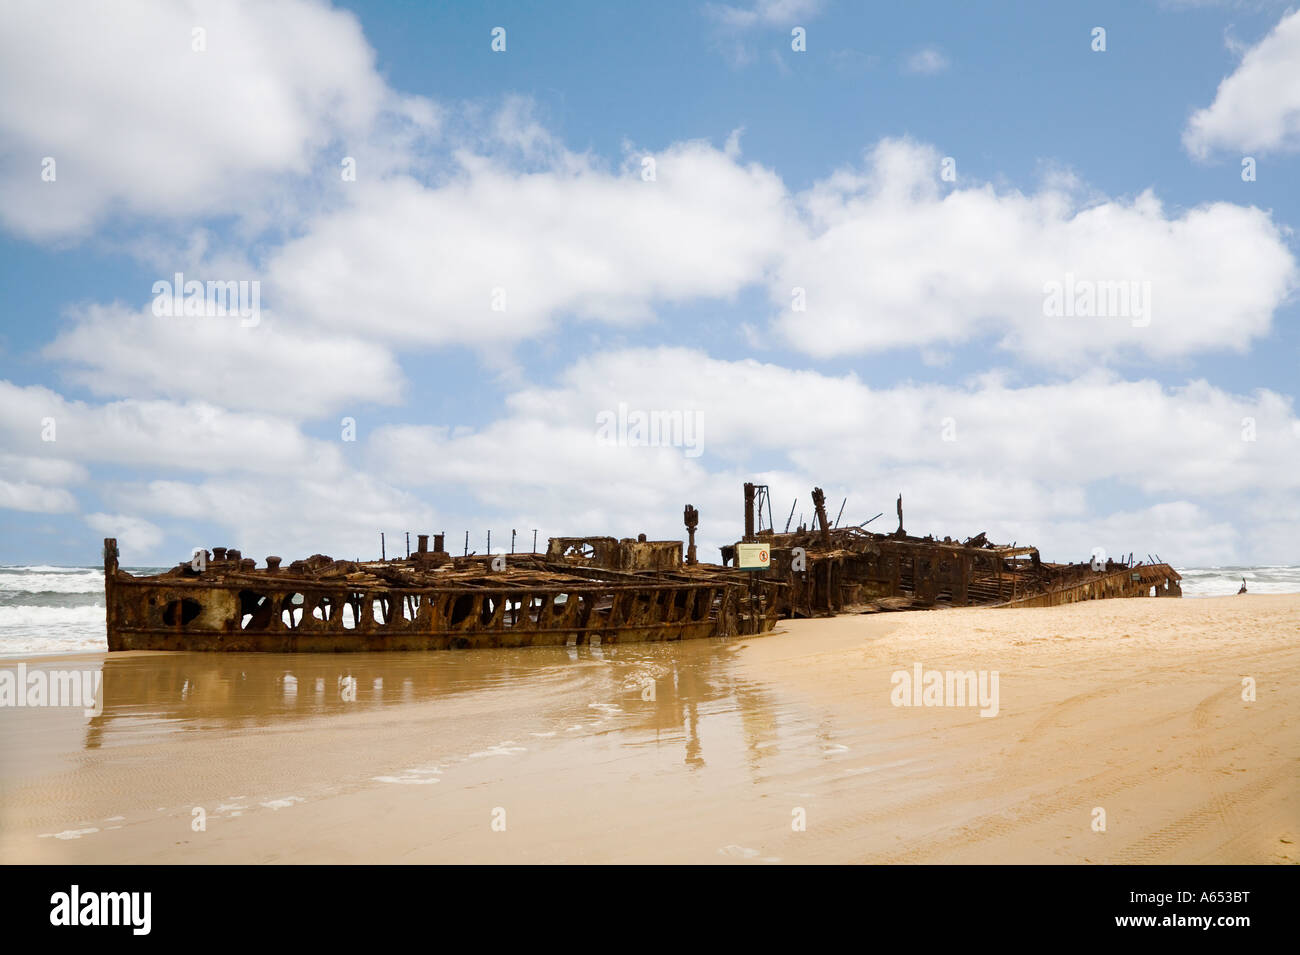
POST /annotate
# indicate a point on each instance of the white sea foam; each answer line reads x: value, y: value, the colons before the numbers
x: 34, y: 629
x: 69, y: 833
x: 500, y: 749
x: 45, y: 568
x: 54, y: 581
x: 285, y: 803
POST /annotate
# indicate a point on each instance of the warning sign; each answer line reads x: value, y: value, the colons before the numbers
x: 753, y: 556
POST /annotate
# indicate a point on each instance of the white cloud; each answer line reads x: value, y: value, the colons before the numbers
x: 892, y: 260
x: 196, y: 436
x: 135, y: 536
x: 1181, y: 532
x: 423, y: 263
x: 1257, y: 106
x: 25, y: 496
x: 886, y: 255
x: 764, y: 13
x: 43, y: 470
x: 926, y: 62
x: 33, y: 483
x: 340, y: 513
x: 140, y: 122
x: 278, y: 366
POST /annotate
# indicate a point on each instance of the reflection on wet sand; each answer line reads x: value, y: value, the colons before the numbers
x: 567, y: 737
x: 658, y: 687
x: 656, y: 752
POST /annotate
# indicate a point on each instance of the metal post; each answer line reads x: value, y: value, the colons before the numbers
x: 749, y: 512
x: 819, y: 503
x: 691, y: 517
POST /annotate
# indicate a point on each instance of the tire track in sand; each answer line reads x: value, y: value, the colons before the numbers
x: 1156, y: 846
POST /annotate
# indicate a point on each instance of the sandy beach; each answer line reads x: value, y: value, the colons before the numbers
x: 787, y: 748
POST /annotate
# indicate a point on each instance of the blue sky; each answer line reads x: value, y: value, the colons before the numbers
x: 817, y: 168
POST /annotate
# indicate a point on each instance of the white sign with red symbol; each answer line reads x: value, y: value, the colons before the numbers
x: 753, y: 556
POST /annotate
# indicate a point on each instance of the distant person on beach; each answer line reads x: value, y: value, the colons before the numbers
x: 1243, y: 586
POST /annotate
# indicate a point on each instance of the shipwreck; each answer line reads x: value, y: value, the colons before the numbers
x: 591, y: 590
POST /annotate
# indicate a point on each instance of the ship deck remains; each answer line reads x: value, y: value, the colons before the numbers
x: 826, y: 570
x: 590, y: 590
x: 606, y: 592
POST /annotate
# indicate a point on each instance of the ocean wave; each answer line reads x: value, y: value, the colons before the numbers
x: 1221, y: 581
x: 46, y: 598
x: 63, y: 581
x: 46, y: 569
x: 27, y: 629
x: 29, y: 615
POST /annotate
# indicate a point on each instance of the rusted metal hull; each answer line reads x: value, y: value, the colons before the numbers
x: 1144, y: 580
x: 897, y: 574
x: 459, y: 605
x: 828, y: 570
x: 587, y: 590
x: 361, y: 641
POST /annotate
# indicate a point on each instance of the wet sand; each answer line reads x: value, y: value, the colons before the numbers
x: 704, y: 751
